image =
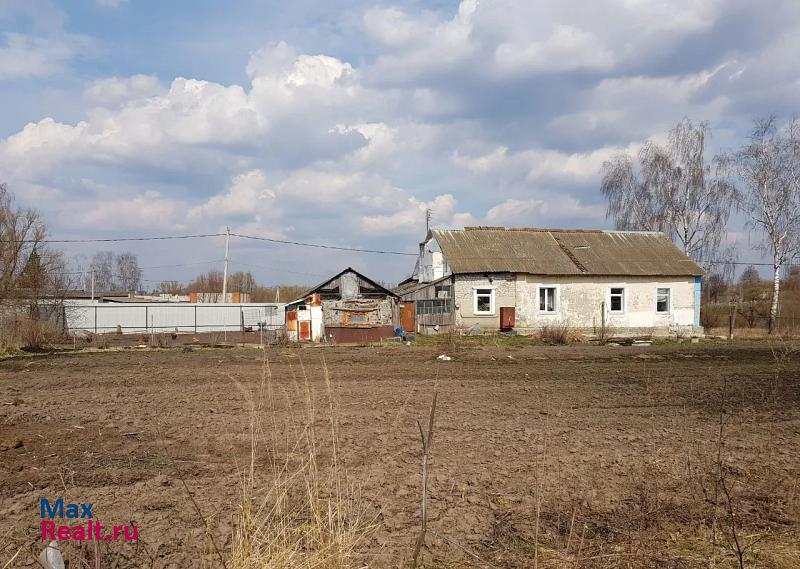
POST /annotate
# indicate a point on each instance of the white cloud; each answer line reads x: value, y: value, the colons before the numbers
x: 545, y: 212
x: 566, y: 49
x: 116, y: 91
x: 248, y: 193
x: 144, y: 211
x: 152, y: 130
x: 540, y: 164
x: 410, y: 217
x: 110, y: 3
x: 32, y: 56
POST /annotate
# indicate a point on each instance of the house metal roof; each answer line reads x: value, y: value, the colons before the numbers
x: 563, y: 252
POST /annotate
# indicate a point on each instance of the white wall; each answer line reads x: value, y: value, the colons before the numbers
x: 134, y: 317
x: 579, y: 302
x: 432, y: 264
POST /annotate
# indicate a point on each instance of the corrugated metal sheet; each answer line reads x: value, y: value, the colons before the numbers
x: 163, y: 316
x: 563, y: 252
x: 350, y: 335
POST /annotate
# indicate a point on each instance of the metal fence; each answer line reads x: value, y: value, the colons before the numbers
x: 136, y: 317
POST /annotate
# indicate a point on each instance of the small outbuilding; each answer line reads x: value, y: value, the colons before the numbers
x: 347, y: 308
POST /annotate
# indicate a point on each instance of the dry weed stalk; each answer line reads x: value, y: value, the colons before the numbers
x: 427, y: 441
x: 307, y: 517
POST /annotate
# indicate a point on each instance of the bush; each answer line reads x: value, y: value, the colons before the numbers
x: 557, y: 333
x: 28, y: 334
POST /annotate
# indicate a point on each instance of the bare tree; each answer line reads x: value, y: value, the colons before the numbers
x: 21, y: 233
x: 769, y: 170
x: 207, y: 282
x: 102, y: 265
x: 129, y: 274
x: 171, y: 287
x: 33, y: 277
x: 242, y: 282
x: 673, y: 190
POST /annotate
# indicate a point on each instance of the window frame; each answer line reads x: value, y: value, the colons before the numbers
x: 556, y: 299
x: 623, y: 302
x: 669, y: 300
x: 492, y: 303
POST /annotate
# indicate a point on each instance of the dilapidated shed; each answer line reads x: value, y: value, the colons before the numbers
x: 354, y: 308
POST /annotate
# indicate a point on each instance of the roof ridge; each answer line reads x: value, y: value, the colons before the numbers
x: 529, y: 229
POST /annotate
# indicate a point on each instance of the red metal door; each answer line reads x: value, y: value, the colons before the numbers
x: 305, y: 330
x: 507, y: 317
x: 407, y: 317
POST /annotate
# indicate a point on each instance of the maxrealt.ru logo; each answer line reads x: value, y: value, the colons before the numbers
x: 88, y: 529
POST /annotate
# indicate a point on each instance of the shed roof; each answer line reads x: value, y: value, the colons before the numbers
x: 563, y: 252
x: 328, y: 282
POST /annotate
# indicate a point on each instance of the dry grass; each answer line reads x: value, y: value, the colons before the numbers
x: 557, y: 333
x: 308, y: 515
x: 27, y: 334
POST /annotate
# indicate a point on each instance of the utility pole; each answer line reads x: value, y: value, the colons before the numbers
x: 92, y: 285
x: 225, y: 271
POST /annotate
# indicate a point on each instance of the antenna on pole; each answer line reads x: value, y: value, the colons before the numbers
x: 225, y: 270
x: 428, y: 213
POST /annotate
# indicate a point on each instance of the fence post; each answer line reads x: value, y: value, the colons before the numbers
x: 195, y: 319
x: 145, y: 319
x: 241, y: 319
x: 603, y: 320
x: 95, y: 319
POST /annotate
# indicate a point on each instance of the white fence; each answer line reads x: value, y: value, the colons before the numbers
x: 135, y: 317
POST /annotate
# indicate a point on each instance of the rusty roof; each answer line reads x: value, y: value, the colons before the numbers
x: 563, y: 252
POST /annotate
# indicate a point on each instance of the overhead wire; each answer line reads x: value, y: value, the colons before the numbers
x: 205, y: 235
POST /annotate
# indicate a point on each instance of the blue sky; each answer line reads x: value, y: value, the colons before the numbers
x: 341, y: 122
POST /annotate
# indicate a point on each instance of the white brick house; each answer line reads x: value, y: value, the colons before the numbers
x: 632, y: 282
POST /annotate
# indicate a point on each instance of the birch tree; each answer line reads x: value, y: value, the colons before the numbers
x: 672, y: 189
x: 128, y: 272
x: 769, y: 170
x: 102, y: 266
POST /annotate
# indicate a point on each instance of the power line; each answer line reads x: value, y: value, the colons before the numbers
x: 205, y: 235
x: 320, y: 246
x: 279, y: 269
x: 116, y: 239
x: 210, y: 262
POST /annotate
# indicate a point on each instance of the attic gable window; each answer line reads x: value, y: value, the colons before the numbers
x: 483, y: 301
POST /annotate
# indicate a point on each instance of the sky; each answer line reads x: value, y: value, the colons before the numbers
x: 341, y: 122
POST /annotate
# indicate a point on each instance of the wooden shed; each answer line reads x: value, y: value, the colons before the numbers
x: 352, y: 309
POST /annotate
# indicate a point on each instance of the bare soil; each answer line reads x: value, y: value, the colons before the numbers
x: 577, y: 456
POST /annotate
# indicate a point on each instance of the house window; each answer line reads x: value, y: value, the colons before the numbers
x: 435, y: 306
x: 662, y: 300
x: 547, y: 299
x: 617, y: 303
x: 484, y: 301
